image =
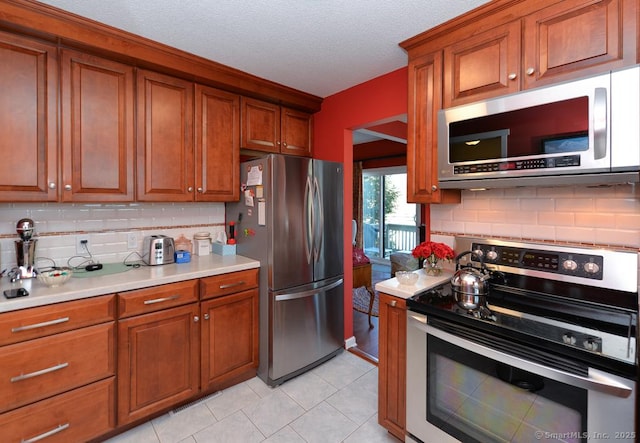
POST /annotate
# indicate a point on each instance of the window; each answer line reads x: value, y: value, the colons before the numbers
x: 389, y: 223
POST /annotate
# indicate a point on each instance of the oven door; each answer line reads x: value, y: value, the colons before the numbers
x: 473, y: 392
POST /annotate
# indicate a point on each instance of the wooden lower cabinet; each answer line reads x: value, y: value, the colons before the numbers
x: 158, y: 361
x: 75, y: 416
x: 392, y: 364
x: 229, y: 334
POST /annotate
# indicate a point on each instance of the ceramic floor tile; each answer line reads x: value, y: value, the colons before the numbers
x: 358, y: 402
x: 140, y: 434
x: 371, y: 432
x: 189, y: 439
x: 231, y: 400
x: 260, y: 387
x: 235, y: 428
x: 172, y: 428
x: 343, y: 369
x: 324, y: 424
x: 273, y: 412
x: 285, y: 435
x: 308, y: 390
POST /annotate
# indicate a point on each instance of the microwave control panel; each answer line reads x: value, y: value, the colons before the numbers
x: 516, y: 165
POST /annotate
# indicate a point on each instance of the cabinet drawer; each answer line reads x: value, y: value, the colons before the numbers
x: 32, y: 323
x: 78, y: 415
x: 228, y: 283
x: 157, y: 298
x: 37, y: 369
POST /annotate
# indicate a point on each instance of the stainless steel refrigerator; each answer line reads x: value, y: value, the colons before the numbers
x: 290, y: 217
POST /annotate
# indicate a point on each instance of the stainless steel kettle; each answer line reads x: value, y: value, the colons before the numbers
x: 470, y: 285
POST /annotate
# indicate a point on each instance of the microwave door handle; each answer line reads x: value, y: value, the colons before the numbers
x: 599, y: 123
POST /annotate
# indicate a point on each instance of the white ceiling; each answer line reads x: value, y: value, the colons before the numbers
x: 317, y: 46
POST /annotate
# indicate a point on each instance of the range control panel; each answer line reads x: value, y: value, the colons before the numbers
x: 566, y: 263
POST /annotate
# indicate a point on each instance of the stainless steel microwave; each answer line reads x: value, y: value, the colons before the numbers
x: 585, y: 131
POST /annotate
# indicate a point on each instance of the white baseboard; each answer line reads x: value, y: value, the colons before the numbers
x: 350, y: 342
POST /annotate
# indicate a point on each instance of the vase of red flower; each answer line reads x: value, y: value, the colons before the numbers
x: 432, y: 253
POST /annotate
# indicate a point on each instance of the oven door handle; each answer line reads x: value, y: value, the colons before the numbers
x: 597, y: 381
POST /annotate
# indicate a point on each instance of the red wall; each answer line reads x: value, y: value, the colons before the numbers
x: 370, y: 102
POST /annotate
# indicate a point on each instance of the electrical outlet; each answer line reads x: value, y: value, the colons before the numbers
x: 132, y: 240
x: 82, y: 245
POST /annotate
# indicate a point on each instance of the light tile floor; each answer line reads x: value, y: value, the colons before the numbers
x: 334, y: 402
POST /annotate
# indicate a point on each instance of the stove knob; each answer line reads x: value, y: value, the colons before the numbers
x: 478, y: 253
x: 492, y: 255
x: 590, y: 344
x: 591, y: 268
x: 568, y: 338
x: 569, y: 265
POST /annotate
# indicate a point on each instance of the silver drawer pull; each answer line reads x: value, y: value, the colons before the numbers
x: 40, y: 325
x: 232, y: 285
x: 161, y: 300
x: 40, y: 372
x: 46, y: 434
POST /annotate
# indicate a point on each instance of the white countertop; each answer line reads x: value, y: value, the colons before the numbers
x: 136, y: 278
x: 393, y: 287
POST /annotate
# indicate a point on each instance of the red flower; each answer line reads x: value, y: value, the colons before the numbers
x: 433, y: 251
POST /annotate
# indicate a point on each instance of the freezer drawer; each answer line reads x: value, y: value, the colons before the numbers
x: 307, y: 327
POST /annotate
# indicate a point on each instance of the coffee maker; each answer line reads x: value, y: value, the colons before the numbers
x: 25, y: 251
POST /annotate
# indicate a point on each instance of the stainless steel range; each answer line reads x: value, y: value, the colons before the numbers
x: 549, y: 353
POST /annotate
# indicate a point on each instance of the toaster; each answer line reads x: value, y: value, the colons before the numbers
x: 158, y: 250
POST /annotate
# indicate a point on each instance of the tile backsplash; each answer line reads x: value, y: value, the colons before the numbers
x: 57, y: 226
x: 607, y: 216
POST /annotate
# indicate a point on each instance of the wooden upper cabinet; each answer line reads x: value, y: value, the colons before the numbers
x: 485, y: 65
x: 97, y: 129
x: 165, y: 153
x: 260, y: 125
x: 28, y: 113
x: 567, y: 40
x: 575, y: 38
x: 425, y: 99
x: 296, y: 131
x: 267, y: 127
x: 217, y: 167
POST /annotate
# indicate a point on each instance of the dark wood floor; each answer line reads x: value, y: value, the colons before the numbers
x: 366, y: 337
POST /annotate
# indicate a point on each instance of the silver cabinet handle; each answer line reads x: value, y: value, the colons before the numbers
x: 190, y: 189
x: 232, y: 285
x: 54, y: 431
x: 512, y: 76
x: 434, y: 188
x: 52, y: 185
x: 200, y: 190
x: 206, y: 316
x: 530, y: 71
x: 161, y: 300
x: 196, y: 319
x: 393, y: 303
x: 37, y: 373
x: 57, y: 321
x: 67, y: 187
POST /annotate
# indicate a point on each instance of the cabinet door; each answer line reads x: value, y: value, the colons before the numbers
x: 575, y: 38
x: 165, y: 138
x: 158, y: 361
x: 229, y: 339
x: 392, y: 364
x: 260, y: 125
x: 217, y: 120
x: 485, y: 65
x: 297, y: 132
x: 97, y: 129
x: 28, y: 112
x: 425, y: 99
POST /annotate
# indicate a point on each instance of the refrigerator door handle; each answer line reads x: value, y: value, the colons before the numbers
x: 308, y: 220
x: 309, y: 293
x: 318, y: 225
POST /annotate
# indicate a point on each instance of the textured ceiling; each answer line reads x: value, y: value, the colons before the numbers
x: 317, y: 46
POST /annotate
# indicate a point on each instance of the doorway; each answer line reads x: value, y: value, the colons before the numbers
x: 390, y: 224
